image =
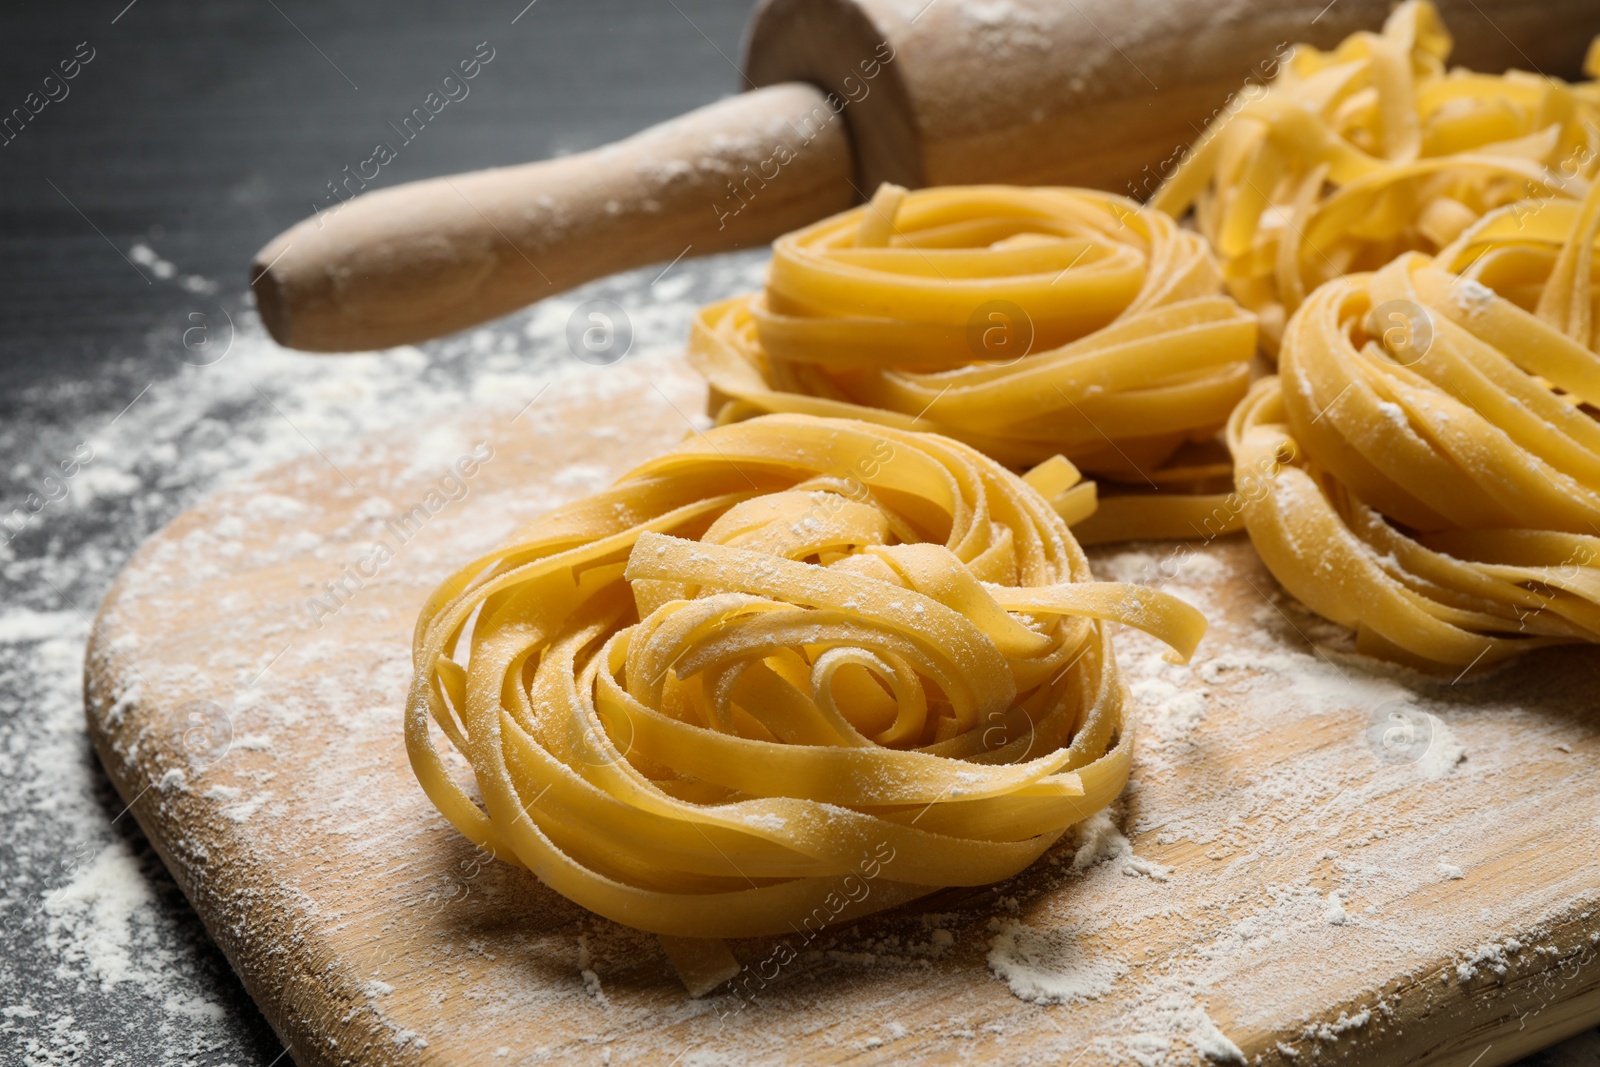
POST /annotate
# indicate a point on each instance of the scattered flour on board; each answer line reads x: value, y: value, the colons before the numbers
x: 1050, y: 966
x: 1443, y: 753
x: 590, y: 977
x: 96, y: 932
x: 1101, y: 842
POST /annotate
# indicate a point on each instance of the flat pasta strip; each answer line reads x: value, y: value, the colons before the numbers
x: 1434, y: 458
x: 1354, y: 156
x: 1029, y: 323
x: 795, y: 671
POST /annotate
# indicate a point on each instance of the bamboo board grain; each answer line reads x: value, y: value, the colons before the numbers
x: 1286, y: 887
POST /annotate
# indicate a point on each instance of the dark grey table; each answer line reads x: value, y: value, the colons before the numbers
x: 129, y: 204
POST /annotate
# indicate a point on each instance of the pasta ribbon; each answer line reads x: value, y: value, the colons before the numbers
x: 796, y: 671
x: 1435, y: 460
x: 1352, y: 157
x: 1026, y: 322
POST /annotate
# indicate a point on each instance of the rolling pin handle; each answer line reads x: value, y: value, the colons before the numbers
x: 428, y: 258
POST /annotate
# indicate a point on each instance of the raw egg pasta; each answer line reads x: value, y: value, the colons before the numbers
x: 1028, y: 323
x: 1351, y: 157
x: 1436, y: 454
x: 795, y: 671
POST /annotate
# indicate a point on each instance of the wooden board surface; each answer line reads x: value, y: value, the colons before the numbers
x: 1277, y: 876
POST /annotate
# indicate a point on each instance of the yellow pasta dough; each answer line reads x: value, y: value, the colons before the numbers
x: 795, y: 671
x: 1442, y: 490
x: 1351, y: 157
x: 1024, y: 322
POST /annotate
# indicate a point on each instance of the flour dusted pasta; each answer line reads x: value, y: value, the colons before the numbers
x: 1354, y: 156
x: 1028, y: 323
x: 795, y: 671
x: 1441, y: 493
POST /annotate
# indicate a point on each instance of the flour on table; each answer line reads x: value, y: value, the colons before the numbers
x: 98, y: 930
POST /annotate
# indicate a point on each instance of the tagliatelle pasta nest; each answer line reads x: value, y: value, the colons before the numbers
x: 1434, y: 448
x: 1026, y: 322
x: 795, y: 671
x: 1354, y: 156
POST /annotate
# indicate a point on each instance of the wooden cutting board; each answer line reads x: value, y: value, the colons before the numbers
x: 1294, y: 872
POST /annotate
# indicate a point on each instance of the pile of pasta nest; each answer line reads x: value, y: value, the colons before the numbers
x: 845, y: 649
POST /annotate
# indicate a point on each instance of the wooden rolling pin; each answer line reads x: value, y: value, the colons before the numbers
x: 919, y: 92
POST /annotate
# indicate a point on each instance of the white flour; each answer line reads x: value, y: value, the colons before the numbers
x: 1050, y: 966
